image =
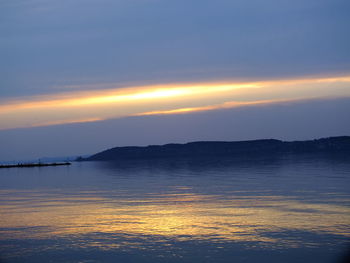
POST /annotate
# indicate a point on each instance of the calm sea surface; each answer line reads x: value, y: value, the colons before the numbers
x: 287, y: 209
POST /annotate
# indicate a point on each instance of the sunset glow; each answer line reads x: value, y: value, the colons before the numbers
x: 97, y: 105
x: 174, y: 131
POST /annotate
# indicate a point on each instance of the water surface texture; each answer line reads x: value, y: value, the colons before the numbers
x: 286, y: 209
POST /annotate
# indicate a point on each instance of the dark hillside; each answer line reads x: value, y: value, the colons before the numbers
x: 218, y: 148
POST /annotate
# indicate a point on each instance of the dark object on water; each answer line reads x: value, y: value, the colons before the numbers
x: 22, y: 165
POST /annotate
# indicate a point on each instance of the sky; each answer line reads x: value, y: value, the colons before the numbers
x: 78, y: 76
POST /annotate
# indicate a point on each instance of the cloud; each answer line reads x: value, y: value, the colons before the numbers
x: 296, y: 120
x: 77, y: 106
x: 49, y: 44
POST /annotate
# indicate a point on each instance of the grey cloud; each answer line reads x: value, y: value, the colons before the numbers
x: 53, y: 43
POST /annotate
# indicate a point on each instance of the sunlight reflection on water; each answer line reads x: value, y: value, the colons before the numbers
x: 165, y: 208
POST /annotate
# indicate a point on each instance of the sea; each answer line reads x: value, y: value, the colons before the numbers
x: 277, y: 209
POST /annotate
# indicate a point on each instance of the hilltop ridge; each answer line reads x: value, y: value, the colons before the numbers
x: 340, y: 144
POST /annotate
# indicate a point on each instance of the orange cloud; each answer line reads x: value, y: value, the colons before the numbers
x: 226, y: 105
x: 96, y: 105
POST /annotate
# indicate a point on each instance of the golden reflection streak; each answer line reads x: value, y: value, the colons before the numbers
x: 181, y: 216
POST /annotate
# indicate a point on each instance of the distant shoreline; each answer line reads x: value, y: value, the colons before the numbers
x: 26, y: 165
x: 220, y: 149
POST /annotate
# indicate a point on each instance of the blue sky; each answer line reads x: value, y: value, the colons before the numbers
x: 55, y: 51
